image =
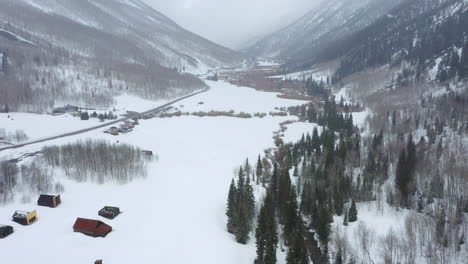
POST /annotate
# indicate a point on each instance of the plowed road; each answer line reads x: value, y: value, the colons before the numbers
x: 154, y: 110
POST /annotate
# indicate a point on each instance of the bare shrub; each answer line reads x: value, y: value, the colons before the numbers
x: 59, y: 188
x: 36, y: 177
x: 8, y: 181
x: 98, y: 161
x: 366, y: 238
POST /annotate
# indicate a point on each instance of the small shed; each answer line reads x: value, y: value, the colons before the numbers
x: 5, y: 231
x: 109, y: 212
x: 49, y: 200
x: 94, y: 228
x: 25, y: 218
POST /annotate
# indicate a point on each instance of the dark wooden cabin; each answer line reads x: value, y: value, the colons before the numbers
x: 109, y: 212
x: 49, y: 200
x: 5, y: 231
x: 94, y: 228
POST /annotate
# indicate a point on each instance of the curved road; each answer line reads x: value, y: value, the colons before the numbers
x: 154, y: 110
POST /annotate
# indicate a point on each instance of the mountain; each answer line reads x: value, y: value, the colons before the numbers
x: 108, y: 44
x: 421, y: 36
x: 329, y: 21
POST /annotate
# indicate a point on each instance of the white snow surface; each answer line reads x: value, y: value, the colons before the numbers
x: 297, y: 129
x: 176, y: 214
x: 225, y: 97
x: 38, y: 126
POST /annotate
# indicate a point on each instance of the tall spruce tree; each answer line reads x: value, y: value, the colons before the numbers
x: 248, y: 199
x: 232, y: 206
x: 401, y: 178
x: 345, y: 218
x: 266, y: 233
x: 339, y: 257
x: 353, y: 213
x: 259, y: 169
x: 245, y: 208
x: 316, y: 141
x: 241, y: 207
x: 406, y: 167
x: 297, y: 251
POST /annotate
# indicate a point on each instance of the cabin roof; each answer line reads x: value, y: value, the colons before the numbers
x: 49, y: 195
x: 91, y: 225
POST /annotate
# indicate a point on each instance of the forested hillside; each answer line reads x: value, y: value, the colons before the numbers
x: 328, y: 22
x: 86, y: 52
x: 393, y: 190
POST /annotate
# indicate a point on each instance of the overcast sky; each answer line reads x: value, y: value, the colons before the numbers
x: 232, y: 23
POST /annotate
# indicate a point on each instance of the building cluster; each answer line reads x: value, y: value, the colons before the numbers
x: 90, y: 227
x: 126, y: 127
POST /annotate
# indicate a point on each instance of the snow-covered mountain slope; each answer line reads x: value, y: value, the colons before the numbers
x: 329, y: 21
x: 87, y: 52
x: 133, y: 20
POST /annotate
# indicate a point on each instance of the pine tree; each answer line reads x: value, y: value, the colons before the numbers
x: 405, y: 170
x: 249, y: 202
x: 464, y: 61
x: 401, y: 178
x: 260, y: 236
x: 324, y: 221
x: 259, y: 170
x: 339, y: 258
x: 242, y: 232
x: 247, y: 168
x: 338, y: 202
x: 440, y: 228
x: 297, y: 252
x: 411, y: 158
x: 232, y: 206
x: 84, y: 116
x: 316, y: 141
x: 353, y: 214
x: 345, y: 218
x: 266, y: 233
x: 245, y: 212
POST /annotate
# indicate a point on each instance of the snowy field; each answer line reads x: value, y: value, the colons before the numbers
x: 176, y: 214
x: 225, y: 97
x: 38, y: 126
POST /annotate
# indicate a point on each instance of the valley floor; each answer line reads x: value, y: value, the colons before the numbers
x: 176, y: 214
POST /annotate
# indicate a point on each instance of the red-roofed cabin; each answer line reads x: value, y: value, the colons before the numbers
x: 94, y: 228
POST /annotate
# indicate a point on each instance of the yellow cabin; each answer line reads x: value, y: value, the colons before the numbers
x: 25, y: 218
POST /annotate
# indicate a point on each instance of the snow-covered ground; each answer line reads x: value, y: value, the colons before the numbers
x: 225, y: 97
x: 176, y: 214
x: 38, y: 126
x: 296, y: 130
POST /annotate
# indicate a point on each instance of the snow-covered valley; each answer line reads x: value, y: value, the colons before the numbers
x: 177, y: 213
